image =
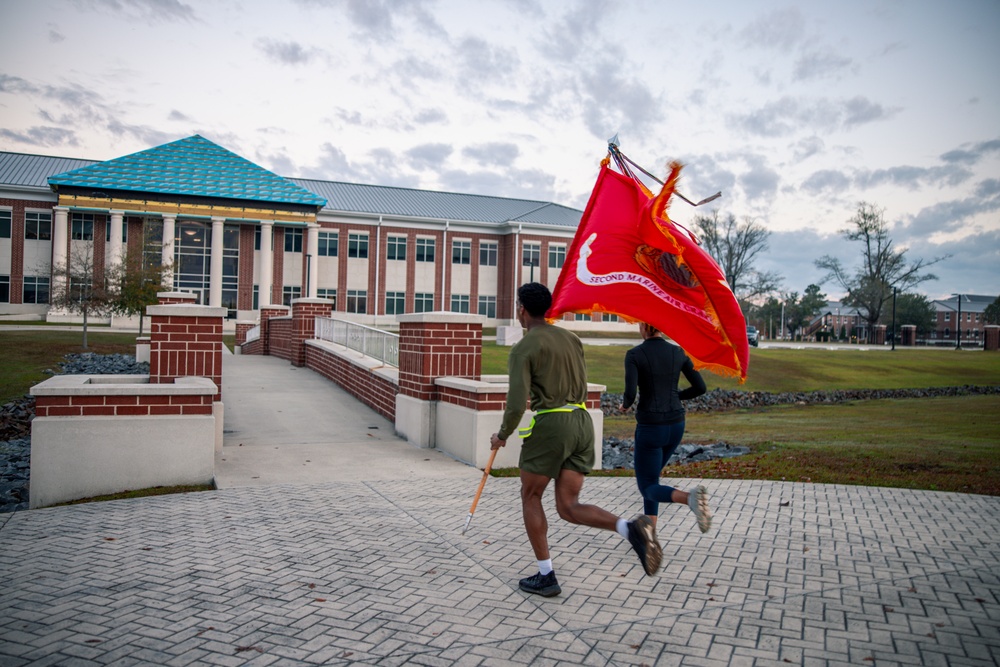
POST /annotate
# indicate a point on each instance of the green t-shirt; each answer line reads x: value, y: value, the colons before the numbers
x: 547, y: 365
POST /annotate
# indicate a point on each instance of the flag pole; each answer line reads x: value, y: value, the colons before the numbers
x: 479, y: 491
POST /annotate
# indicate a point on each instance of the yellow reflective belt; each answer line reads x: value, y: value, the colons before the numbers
x: 569, y: 407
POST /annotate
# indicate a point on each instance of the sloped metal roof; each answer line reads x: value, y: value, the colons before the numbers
x: 38, y: 171
x: 404, y: 202
x: 193, y: 166
x: 32, y: 171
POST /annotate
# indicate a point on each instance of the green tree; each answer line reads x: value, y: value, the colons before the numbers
x: 79, y: 286
x: 139, y: 276
x: 992, y: 313
x: 913, y: 309
x: 869, y: 286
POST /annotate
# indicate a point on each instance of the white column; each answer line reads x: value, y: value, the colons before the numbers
x: 115, y: 256
x: 314, y: 260
x: 215, y: 278
x: 60, y: 234
x: 266, y: 262
x: 167, y: 254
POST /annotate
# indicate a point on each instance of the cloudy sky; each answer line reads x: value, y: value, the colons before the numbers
x: 796, y: 111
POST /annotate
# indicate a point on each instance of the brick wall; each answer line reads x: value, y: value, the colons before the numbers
x: 279, y: 337
x: 255, y: 347
x: 375, y: 391
x: 185, y: 340
x: 117, y: 405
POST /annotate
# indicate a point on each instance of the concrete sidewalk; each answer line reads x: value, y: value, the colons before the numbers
x: 291, y: 425
x: 372, y: 567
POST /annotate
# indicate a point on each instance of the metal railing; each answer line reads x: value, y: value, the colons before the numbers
x: 371, y: 342
x: 252, y: 334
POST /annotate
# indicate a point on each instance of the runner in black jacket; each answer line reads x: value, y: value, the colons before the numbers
x: 654, y: 367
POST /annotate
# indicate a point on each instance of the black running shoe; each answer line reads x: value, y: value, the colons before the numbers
x: 642, y: 537
x: 541, y: 584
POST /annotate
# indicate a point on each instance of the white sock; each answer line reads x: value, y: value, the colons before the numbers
x: 545, y: 566
x: 622, y: 528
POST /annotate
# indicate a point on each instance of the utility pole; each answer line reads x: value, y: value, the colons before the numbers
x: 894, y: 319
x: 958, y: 325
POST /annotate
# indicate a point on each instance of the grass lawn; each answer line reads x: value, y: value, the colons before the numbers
x: 940, y: 443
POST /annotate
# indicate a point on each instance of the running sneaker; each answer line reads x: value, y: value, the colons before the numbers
x: 541, y: 584
x: 642, y: 537
x: 698, y: 502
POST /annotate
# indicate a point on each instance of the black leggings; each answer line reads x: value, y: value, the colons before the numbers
x: 654, y: 445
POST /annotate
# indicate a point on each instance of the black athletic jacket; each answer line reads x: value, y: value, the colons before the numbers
x: 655, y: 367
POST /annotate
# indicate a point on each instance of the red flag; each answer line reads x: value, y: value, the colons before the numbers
x: 629, y: 259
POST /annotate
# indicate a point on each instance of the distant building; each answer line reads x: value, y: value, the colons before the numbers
x: 240, y: 236
x: 960, y: 318
x: 838, y: 320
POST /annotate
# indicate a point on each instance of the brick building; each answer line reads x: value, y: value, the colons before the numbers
x: 239, y: 236
x: 960, y: 319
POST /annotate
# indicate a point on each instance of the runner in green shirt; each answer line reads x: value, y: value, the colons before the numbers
x: 548, y: 366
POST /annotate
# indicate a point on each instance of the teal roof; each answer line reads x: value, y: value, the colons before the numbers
x: 191, y: 167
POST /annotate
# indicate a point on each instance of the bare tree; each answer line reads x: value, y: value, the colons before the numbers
x: 735, y: 246
x: 869, y: 287
x: 80, y: 287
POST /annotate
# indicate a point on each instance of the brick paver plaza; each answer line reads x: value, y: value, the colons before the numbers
x: 379, y: 573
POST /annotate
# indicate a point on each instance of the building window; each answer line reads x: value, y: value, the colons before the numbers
x: 968, y: 317
x: 83, y: 227
x: 36, y: 290
x: 947, y: 317
x: 487, y: 253
x: 357, y: 299
x: 396, y: 248
x: 357, y: 246
x: 327, y: 244
x: 289, y: 292
x: 256, y: 298
x: 395, y: 303
x: 488, y: 306
x: 293, y: 240
x: 531, y: 254
x: 4, y: 289
x: 423, y: 302
x: 461, y: 253
x: 459, y: 303
x: 256, y: 242
x: 582, y: 317
x: 328, y: 293
x: 609, y: 317
x: 37, y: 226
x: 4, y: 224
x: 557, y: 256
x: 425, y: 251
x: 107, y: 230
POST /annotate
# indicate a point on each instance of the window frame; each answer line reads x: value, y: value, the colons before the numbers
x: 36, y: 221
x: 557, y: 252
x: 490, y: 303
x: 357, y: 301
x: 84, y: 219
x: 488, y: 250
x: 327, y: 241
x: 420, y: 300
x: 357, y: 246
x: 398, y: 301
x: 461, y: 252
x: 293, y: 237
x: 395, y: 248
x: 424, y: 251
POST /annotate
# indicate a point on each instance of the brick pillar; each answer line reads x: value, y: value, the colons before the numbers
x: 879, y: 334
x: 170, y: 298
x: 909, y: 334
x: 304, y: 314
x: 433, y: 345
x: 242, y: 327
x: 266, y: 313
x: 185, y: 341
x: 991, y: 337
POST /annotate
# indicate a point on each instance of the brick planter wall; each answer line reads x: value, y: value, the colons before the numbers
x: 254, y: 347
x: 267, y: 313
x: 991, y: 337
x: 241, y: 331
